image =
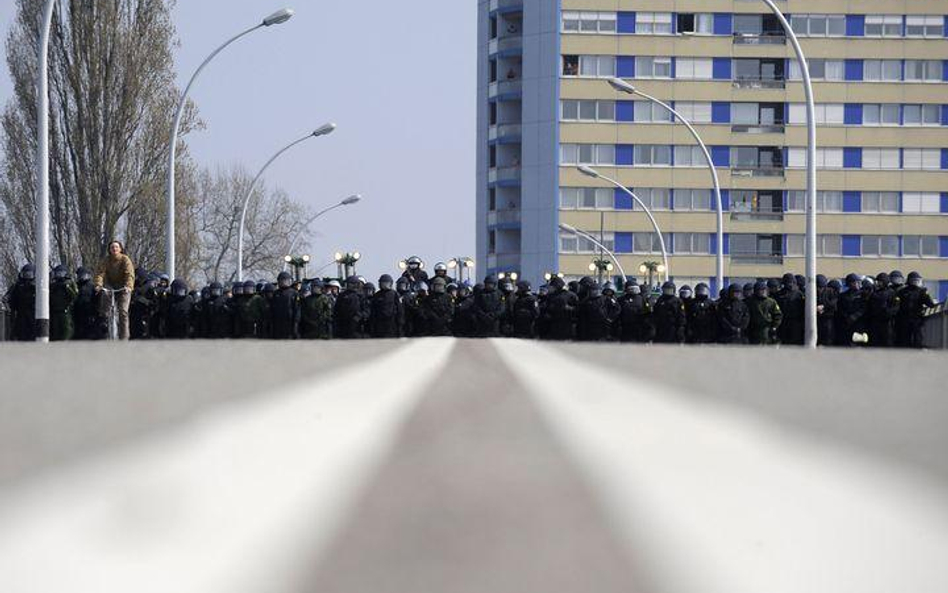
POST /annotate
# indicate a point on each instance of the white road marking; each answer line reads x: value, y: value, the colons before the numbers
x: 711, y: 498
x: 240, y: 499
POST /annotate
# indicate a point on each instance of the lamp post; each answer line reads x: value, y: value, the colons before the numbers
x: 41, y: 264
x: 461, y: 263
x: 299, y: 264
x: 590, y: 172
x: 346, y: 202
x: 347, y: 262
x: 320, y: 131
x: 600, y: 266
x: 651, y: 268
x: 278, y: 17
x: 810, y: 338
x: 573, y: 230
x: 623, y: 86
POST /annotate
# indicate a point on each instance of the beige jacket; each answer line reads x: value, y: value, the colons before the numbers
x: 115, y: 272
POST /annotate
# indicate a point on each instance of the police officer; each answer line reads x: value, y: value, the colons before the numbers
x: 826, y: 310
x: 438, y: 309
x: 668, y: 316
x: 701, y: 317
x: 634, y: 312
x: 316, y: 313
x: 348, y: 311
x: 766, y: 315
x: 914, y: 301
x: 218, y: 314
x: 733, y: 317
x: 488, y: 309
x: 883, y: 308
x: 558, y: 313
x: 791, y: 302
x: 250, y: 312
x: 144, y: 306
x: 62, y: 296
x: 441, y: 271
x: 386, y: 316
x: 509, y: 296
x: 285, y: 309
x: 526, y: 310
x: 178, y: 323
x: 852, y: 307
x: 22, y: 300
x: 85, y: 313
x: 413, y: 270
x: 592, y: 320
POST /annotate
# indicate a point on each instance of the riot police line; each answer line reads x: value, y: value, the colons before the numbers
x: 884, y: 311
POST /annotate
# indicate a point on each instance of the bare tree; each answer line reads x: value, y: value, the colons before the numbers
x: 273, y: 220
x: 112, y: 96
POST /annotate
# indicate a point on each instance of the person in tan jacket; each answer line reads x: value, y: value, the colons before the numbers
x: 116, y: 272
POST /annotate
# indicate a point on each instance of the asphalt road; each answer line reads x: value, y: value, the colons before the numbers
x: 457, y: 465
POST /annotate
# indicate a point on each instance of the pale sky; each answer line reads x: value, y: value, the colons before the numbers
x: 399, y: 79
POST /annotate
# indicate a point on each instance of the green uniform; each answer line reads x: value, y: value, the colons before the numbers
x: 765, y: 318
x: 250, y: 316
x: 316, y: 317
x: 62, y: 296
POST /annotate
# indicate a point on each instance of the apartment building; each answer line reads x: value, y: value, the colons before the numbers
x: 880, y: 72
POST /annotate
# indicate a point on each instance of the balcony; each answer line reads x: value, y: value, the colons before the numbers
x: 757, y: 129
x: 504, y: 261
x: 756, y: 171
x: 757, y: 216
x: 504, y: 133
x: 759, y: 83
x: 760, y: 38
x: 508, y: 217
x: 506, y: 176
x: 505, y: 46
x: 756, y: 259
x: 505, y: 6
x: 502, y: 90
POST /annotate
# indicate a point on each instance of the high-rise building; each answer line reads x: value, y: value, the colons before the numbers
x: 881, y: 90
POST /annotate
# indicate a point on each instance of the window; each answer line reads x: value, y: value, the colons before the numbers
x: 826, y: 245
x: 652, y: 67
x: 924, y: 26
x: 882, y: 70
x: 588, y: 22
x: 880, y: 202
x: 603, y: 66
x: 570, y: 65
x: 570, y: 243
x: 826, y: 158
x: 927, y: 159
x: 646, y: 111
x: 692, y: 199
x: 689, y: 156
x: 921, y: 115
x: 880, y: 158
x: 761, y: 245
x: 692, y: 243
x: 920, y: 246
x: 883, y: 25
x: 700, y: 24
x: 694, y: 68
x: 695, y: 112
x: 754, y: 157
x: 649, y: 155
x: 923, y: 70
x: 826, y: 113
x: 744, y: 113
x: 587, y: 110
x: 587, y: 154
x: 656, y: 198
x: 599, y: 198
x: 880, y: 246
x: 819, y: 25
x: 885, y: 114
x: 921, y: 203
x: 820, y: 69
x: 653, y: 23
x: 826, y: 201
x: 646, y: 243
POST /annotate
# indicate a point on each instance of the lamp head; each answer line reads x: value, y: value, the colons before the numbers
x: 621, y: 85
x: 338, y: 256
x: 452, y: 263
x: 402, y: 265
x: 588, y: 171
x: 356, y: 256
x: 278, y: 17
x: 567, y: 228
x: 660, y: 268
x: 287, y: 258
x: 643, y: 268
x: 592, y: 267
x: 351, y: 199
x: 305, y: 259
x: 324, y: 129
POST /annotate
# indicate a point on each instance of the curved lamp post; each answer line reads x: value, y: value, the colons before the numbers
x: 810, y: 338
x: 461, y: 263
x: 346, y: 202
x: 41, y: 257
x: 573, y: 230
x: 590, y: 172
x: 623, y: 86
x: 280, y: 16
x: 320, y: 131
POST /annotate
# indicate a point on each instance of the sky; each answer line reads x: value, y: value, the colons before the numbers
x: 399, y: 80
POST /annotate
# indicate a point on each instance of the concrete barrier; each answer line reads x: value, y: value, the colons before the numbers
x: 936, y: 328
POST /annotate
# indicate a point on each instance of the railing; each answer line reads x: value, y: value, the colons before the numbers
x: 760, y: 83
x: 506, y: 45
x: 512, y: 88
x: 758, y: 129
x: 756, y: 171
x: 936, y: 328
x: 756, y: 259
x: 760, y: 39
x: 767, y: 216
x: 500, y: 174
x: 508, y: 216
x: 504, y: 132
x: 505, y: 5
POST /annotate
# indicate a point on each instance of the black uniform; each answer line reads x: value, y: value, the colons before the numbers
x: 733, y: 318
x: 526, y: 310
x: 85, y: 312
x: 883, y: 308
x: 852, y: 307
x: 593, y: 323
x: 828, y: 299
x: 913, y: 301
x: 218, y: 318
x: 179, y: 321
x: 559, y: 314
x: 285, y: 314
x: 347, y: 315
x: 438, y: 312
x: 386, y: 317
x: 702, y: 321
x: 634, y: 323
x: 668, y: 318
x: 488, y: 309
x: 791, y: 303
x: 22, y: 300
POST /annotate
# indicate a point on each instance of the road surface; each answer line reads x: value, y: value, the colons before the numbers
x: 470, y: 466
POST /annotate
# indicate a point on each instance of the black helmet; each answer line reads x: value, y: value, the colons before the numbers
x: 352, y: 283
x: 882, y: 279
x: 269, y: 288
x: 821, y: 281
x: 735, y: 290
x: 250, y: 287
x: 668, y: 288
x: 801, y: 281
x: 385, y: 282
x: 490, y: 281
x: 789, y: 279
x: 557, y: 283
x: 915, y: 279
x: 852, y: 278
x: 179, y: 288
x: 238, y: 289
x: 896, y: 278
x: 523, y: 286
x: 630, y: 283
x: 28, y: 272
x: 748, y: 288
x: 217, y: 289
x: 760, y: 287
x: 685, y: 291
x: 284, y: 280
x: 835, y: 284
x: 83, y: 274
x: 60, y: 272
x: 702, y: 290
x: 368, y: 288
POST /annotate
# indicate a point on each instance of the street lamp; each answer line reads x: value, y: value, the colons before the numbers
x: 590, y: 172
x: 810, y: 338
x: 461, y: 263
x: 355, y: 198
x: 278, y: 17
x: 573, y: 230
x: 41, y: 262
x: 623, y: 86
x: 511, y: 275
x: 651, y: 268
x: 323, y: 130
x: 299, y: 265
x: 348, y: 261
x: 600, y: 266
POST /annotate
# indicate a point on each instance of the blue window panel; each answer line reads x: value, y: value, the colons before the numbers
x: 713, y: 246
x: 669, y: 242
x: 622, y: 200
x: 720, y: 112
x: 904, y: 25
x: 674, y: 63
x: 852, y: 245
x: 721, y: 69
x: 725, y: 201
x: 852, y: 158
x: 723, y: 23
x: 852, y: 201
x: 623, y: 154
x: 944, y: 158
x: 943, y: 246
x: 625, y: 66
x: 944, y: 202
x: 852, y: 114
x: 623, y: 243
x: 721, y: 156
x: 625, y: 110
x: 626, y: 22
x: 946, y: 25
x: 944, y: 115
x: 942, y: 291
x: 853, y: 69
x: 713, y: 287
x: 855, y: 25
